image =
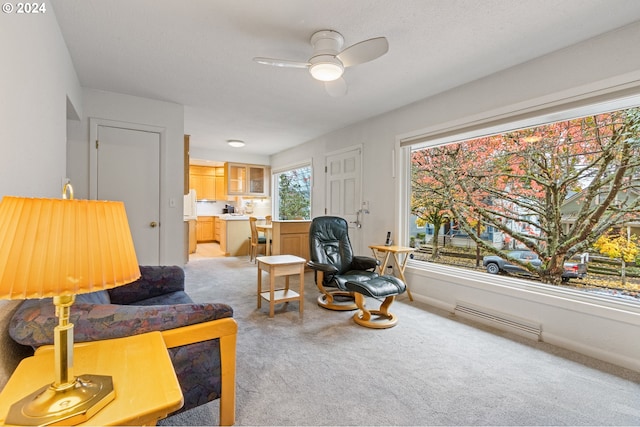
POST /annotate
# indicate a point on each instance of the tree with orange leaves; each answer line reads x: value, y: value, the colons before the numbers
x: 525, y: 176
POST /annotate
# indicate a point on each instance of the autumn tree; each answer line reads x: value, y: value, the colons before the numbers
x: 430, y: 191
x: 518, y: 182
x: 429, y: 210
x: 624, y: 248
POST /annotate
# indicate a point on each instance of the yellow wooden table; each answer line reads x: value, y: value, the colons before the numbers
x: 144, y: 380
x: 281, y: 265
x: 400, y: 256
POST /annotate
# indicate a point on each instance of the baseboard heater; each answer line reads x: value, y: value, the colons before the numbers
x: 499, y: 320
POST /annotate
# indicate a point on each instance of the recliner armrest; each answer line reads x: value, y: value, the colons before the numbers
x: 327, y: 268
x: 154, y: 281
x: 364, y: 263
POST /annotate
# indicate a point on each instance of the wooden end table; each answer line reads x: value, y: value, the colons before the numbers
x: 281, y: 265
x: 144, y: 380
x: 397, y: 251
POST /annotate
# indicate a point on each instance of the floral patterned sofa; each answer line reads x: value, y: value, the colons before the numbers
x: 201, y: 338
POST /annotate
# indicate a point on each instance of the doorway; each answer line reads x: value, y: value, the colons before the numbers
x: 344, y: 188
x: 206, y: 250
x: 125, y: 166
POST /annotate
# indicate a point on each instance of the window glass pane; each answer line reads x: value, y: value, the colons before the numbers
x: 559, y: 203
x: 293, y: 196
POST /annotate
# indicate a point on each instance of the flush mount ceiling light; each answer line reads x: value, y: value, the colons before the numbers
x: 235, y: 143
x: 326, y: 68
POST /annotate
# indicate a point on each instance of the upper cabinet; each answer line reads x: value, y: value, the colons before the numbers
x: 208, y: 182
x: 236, y: 177
x: 247, y: 180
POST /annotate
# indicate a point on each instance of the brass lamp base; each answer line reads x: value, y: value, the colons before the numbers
x: 68, y: 404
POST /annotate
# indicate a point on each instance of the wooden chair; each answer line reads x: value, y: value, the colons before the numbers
x: 256, y: 240
x: 267, y: 219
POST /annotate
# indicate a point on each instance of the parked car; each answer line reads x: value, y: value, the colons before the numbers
x: 496, y: 265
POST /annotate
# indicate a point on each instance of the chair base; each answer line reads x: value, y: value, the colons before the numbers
x: 383, y: 321
x: 346, y: 301
x: 375, y: 319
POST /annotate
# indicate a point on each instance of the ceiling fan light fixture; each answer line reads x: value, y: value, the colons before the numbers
x: 326, y: 68
x: 235, y: 143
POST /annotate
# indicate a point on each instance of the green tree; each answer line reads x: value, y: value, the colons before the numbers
x: 294, y: 190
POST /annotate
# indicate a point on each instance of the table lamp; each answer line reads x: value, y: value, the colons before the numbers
x: 60, y: 248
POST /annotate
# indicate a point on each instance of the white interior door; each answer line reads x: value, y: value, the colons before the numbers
x: 128, y: 169
x: 343, y: 187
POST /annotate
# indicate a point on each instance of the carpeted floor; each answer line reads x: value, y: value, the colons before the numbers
x: 431, y: 369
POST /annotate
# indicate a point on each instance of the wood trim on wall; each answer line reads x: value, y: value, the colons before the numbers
x: 186, y: 164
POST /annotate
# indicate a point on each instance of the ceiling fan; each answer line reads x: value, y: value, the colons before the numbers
x: 328, y: 61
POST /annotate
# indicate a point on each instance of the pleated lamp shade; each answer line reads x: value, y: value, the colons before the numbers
x: 58, y: 247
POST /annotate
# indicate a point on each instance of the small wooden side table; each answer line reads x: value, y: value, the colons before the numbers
x: 397, y: 251
x: 144, y: 380
x: 280, y: 265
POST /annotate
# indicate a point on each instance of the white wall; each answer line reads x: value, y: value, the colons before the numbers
x: 36, y: 77
x: 604, y: 64
x: 131, y: 109
x: 606, y: 329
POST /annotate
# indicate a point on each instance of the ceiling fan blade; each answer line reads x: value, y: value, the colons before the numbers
x: 284, y: 63
x: 364, y: 51
x: 336, y: 88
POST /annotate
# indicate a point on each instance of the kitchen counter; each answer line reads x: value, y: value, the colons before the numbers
x: 238, y: 217
x: 291, y: 237
x: 234, y: 235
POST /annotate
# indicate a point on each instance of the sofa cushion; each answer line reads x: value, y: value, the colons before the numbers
x: 154, y: 281
x: 99, y: 297
x: 172, y: 298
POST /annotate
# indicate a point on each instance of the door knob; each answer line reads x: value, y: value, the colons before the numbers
x: 153, y: 224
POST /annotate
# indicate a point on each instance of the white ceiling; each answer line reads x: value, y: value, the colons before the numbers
x: 199, y: 53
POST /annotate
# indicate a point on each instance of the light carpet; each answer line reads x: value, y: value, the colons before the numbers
x: 431, y: 369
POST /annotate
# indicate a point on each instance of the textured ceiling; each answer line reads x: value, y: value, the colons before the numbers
x: 199, y: 53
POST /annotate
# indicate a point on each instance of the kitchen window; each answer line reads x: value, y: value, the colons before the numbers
x: 292, y: 198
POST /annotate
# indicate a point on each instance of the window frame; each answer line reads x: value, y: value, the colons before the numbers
x: 492, y: 125
x: 276, y: 190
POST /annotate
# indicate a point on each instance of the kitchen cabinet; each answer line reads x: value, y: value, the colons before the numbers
x: 193, y: 239
x: 203, y: 180
x: 208, y: 182
x: 205, y: 229
x: 216, y: 229
x: 246, y: 180
x: 236, y: 178
x: 221, y: 193
x: 290, y: 238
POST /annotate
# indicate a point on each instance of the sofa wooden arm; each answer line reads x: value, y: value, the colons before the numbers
x: 226, y: 330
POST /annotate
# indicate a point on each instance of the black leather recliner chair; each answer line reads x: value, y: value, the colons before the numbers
x: 353, y: 277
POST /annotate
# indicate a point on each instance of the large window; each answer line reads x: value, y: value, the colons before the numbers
x: 292, y: 198
x: 566, y: 192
